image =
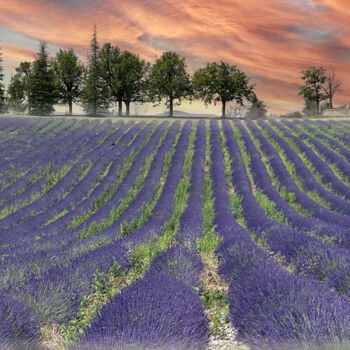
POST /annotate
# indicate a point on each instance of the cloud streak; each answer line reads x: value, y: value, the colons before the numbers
x: 271, y: 40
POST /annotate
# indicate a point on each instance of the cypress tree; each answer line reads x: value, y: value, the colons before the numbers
x: 95, y: 97
x: 41, y: 84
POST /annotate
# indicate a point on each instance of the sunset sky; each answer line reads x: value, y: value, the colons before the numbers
x: 271, y: 40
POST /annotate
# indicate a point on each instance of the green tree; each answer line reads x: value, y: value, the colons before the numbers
x: 95, y: 94
x: 309, y: 107
x: 2, y: 87
x: 257, y: 109
x: 16, y: 95
x: 313, y: 90
x: 133, y: 78
x: 69, y: 73
x: 168, y: 79
x: 221, y: 83
x: 111, y: 73
x: 42, y: 94
x: 24, y: 69
x: 17, y: 91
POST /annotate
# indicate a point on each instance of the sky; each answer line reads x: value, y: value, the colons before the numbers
x: 272, y: 41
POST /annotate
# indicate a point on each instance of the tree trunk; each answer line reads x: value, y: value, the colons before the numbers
x: 317, y: 106
x: 171, y: 108
x: 331, y: 102
x: 127, y: 104
x: 223, y: 109
x: 70, y: 107
x: 120, y: 108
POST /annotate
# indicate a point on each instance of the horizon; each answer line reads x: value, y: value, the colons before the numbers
x: 271, y: 43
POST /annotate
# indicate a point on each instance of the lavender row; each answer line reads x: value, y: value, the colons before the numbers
x: 308, y: 255
x: 55, y: 192
x: 63, y: 155
x: 58, y: 300
x: 191, y: 220
x: 72, y: 242
x: 335, y: 145
x: 286, y: 180
x: 73, y: 246
x: 35, y: 151
x: 19, y: 324
x: 61, y: 224
x: 134, y: 210
x: 261, y: 294
x: 81, y: 189
x: 327, y: 152
x: 160, y: 311
x: 166, y: 291
x: 65, y: 151
x: 129, y: 178
x: 22, y: 130
x: 28, y: 160
x: 328, y: 177
x: 23, y: 157
x: 309, y: 184
x: 318, y: 227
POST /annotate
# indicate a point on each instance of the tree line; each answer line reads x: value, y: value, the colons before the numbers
x: 115, y: 77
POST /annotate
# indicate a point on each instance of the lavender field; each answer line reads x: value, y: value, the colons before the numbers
x: 121, y: 234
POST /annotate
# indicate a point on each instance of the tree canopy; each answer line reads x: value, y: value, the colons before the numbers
x: 169, y: 79
x: 17, y: 91
x: 313, y: 90
x: 42, y: 94
x: 221, y: 82
x: 257, y: 108
x: 69, y: 77
x: 133, y: 72
x: 109, y: 57
x: 95, y: 93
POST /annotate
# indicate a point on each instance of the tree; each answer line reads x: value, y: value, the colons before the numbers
x: 69, y: 73
x: 16, y: 95
x: 17, y: 91
x: 257, y: 109
x: 309, y: 107
x: 95, y: 96
x: 2, y: 88
x: 133, y: 78
x: 41, y: 84
x: 314, y: 86
x: 221, y: 83
x: 111, y: 74
x: 168, y: 79
x: 331, y: 85
x: 24, y: 69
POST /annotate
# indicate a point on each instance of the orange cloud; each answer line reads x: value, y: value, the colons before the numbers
x: 271, y: 40
x: 17, y: 53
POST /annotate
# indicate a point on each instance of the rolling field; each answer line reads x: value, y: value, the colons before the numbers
x: 121, y: 234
